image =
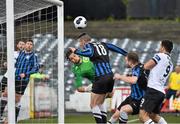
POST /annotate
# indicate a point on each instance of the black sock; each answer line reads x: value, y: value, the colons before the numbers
x: 17, y: 112
x: 3, y: 105
x: 104, y: 117
x: 97, y: 119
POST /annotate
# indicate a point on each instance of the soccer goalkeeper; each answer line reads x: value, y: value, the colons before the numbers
x: 82, y: 68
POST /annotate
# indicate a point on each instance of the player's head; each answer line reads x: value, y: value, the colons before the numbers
x: 131, y: 59
x: 83, y: 39
x: 166, y: 46
x: 20, y: 45
x: 177, y: 69
x: 72, y: 57
x: 29, y: 45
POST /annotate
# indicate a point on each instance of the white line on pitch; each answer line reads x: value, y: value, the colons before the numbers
x: 133, y: 120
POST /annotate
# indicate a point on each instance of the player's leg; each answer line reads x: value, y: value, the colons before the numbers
x: 150, y: 104
x: 20, y: 87
x: 100, y: 88
x: 130, y: 107
x: 154, y: 115
x: 146, y: 107
x: 158, y: 119
x: 125, y: 110
x: 144, y: 117
x: 103, y: 109
x: 116, y: 115
x: 3, y: 100
x: 108, y: 84
x: 96, y: 101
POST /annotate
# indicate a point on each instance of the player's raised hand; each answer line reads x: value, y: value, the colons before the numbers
x: 117, y: 76
x: 72, y: 49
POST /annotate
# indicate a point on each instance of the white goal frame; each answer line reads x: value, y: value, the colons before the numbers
x: 10, y: 56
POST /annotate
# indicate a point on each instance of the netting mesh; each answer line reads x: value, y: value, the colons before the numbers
x: 36, y: 20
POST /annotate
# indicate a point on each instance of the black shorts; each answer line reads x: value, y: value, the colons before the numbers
x: 152, y: 101
x: 103, y: 84
x: 135, y: 104
x: 20, y: 86
x: 3, y: 84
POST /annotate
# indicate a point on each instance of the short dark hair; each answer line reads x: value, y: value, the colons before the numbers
x: 82, y: 34
x: 68, y: 53
x: 29, y: 40
x: 19, y: 41
x: 167, y: 44
x: 85, y: 37
x: 133, y: 56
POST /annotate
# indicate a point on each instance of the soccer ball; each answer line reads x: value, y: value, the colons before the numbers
x: 80, y: 22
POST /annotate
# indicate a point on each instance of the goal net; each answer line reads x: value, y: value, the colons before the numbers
x: 35, y: 20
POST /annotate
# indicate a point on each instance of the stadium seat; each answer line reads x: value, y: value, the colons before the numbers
x: 48, y: 45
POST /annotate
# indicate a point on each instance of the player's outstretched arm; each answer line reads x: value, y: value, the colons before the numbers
x: 127, y: 79
x: 87, y: 52
x: 116, y: 49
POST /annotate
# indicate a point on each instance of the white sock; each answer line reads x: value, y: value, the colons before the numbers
x: 162, y: 121
x: 96, y: 112
x: 3, y: 98
x: 112, y: 120
x: 123, y: 117
x: 102, y: 107
x: 149, y: 122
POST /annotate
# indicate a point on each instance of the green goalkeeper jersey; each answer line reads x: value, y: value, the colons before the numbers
x: 85, y: 69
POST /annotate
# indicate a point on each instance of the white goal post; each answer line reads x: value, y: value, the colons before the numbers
x: 10, y: 56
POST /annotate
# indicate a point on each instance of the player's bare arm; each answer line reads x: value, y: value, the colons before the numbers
x: 150, y: 64
x: 128, y: 79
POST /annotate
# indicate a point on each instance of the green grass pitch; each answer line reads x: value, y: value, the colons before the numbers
x: 87, y: 118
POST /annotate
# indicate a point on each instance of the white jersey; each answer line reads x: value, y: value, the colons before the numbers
x: 16, y: 54
x: 159, y: 73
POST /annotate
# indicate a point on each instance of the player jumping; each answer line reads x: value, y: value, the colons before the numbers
x: 82, y: 68
x: 104, y: 82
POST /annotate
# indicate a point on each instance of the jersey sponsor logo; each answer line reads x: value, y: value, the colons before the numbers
x: 157, y: 58
x: 27, y: 57
x: 76, y: 68
x: 85, y: 59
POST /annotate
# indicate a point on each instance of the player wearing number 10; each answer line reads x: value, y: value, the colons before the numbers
x: 98, y: 52
x: 160, y: 67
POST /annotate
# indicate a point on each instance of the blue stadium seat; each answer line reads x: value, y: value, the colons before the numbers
x: 46, y: 45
